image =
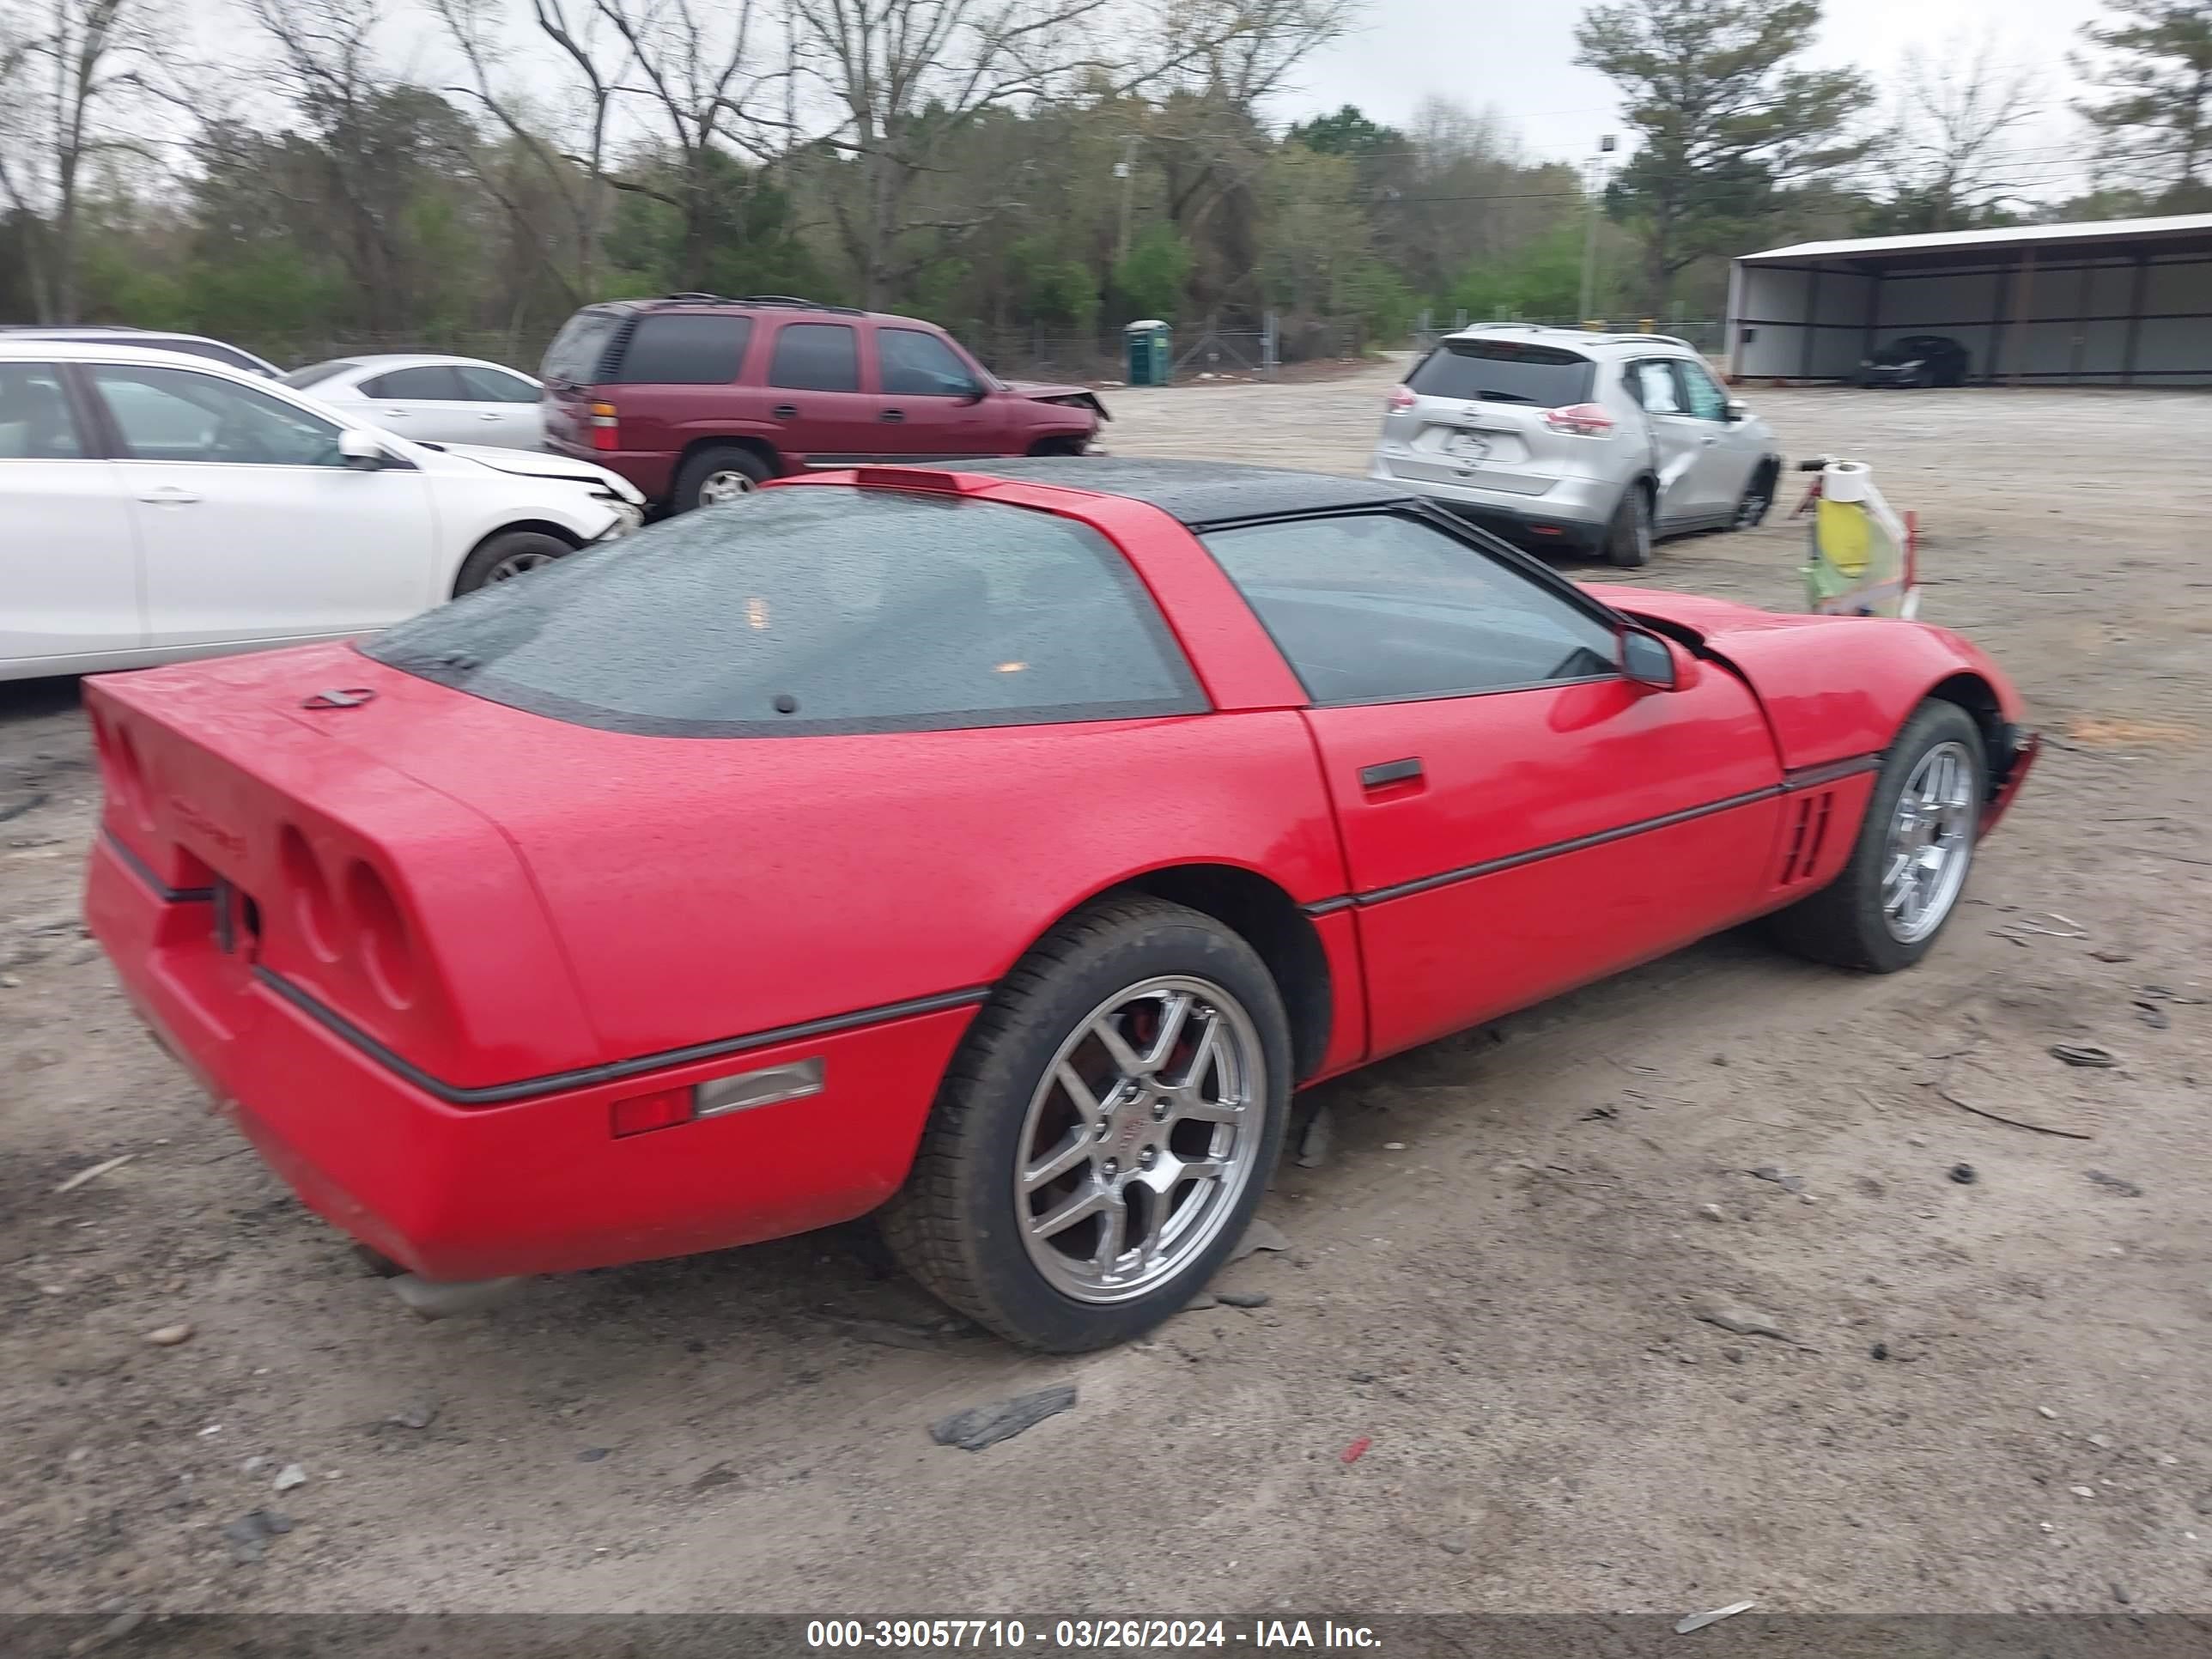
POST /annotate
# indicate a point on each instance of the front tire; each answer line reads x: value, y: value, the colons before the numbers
x: 510, y: 554
x: 1914, y: 850
x: 1104, y: 1133
x: 1628, y: 537
x: 1756, y: 500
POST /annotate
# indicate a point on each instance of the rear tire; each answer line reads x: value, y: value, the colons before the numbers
x: 721, y: 472
x: 1628, y: 537
x: 1013, y: 1145
x: 510, y: 554
x: 1856, y: 921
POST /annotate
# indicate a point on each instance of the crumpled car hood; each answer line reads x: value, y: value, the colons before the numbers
x: 535, y: 464
x: 1045, y: 392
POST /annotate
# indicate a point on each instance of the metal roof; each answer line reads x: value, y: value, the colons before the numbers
x: 2006, y: 236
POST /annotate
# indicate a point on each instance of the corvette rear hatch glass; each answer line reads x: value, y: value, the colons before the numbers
x: 815, y: 611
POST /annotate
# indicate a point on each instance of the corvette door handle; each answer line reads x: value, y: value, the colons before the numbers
x: 1390, y: 772
x: 893, y: 415
x: 169, y: 495
x: 785, y: 412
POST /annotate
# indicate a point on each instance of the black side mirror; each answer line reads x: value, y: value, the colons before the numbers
x: 1645, y: 659
x: 975, y: 394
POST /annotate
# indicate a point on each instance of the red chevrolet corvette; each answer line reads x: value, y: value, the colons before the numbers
x: 995, y: 850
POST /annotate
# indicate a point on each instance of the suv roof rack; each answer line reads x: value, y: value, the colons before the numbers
x: 795, y: 302
x: 1595, y: 336
x: 782, y: 301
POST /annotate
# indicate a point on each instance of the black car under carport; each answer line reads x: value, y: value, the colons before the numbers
x: 1917, y: 359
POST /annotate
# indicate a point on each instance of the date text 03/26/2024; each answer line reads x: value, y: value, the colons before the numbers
x: 988, y: 1636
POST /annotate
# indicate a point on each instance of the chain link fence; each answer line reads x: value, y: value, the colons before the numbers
x: 1243, y: 348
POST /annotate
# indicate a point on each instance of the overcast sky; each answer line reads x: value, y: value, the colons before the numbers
x: 1518, y: 59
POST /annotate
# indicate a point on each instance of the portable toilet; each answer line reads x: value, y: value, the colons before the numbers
x: 1152, y: 353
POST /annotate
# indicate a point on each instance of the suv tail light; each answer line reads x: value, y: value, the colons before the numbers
x: 606, y: 427
x: 1402, y: 397
x: 1584, y: 420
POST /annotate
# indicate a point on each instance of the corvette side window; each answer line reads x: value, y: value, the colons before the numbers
x: 1376, y: 608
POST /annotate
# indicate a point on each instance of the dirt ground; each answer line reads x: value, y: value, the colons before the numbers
x: 1988, y: 1397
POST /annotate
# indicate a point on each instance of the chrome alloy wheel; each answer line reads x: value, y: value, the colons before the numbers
x: 1142, y: 1136
x: 515, y: 564
x: 726, y: 485
x: 1931, y: 841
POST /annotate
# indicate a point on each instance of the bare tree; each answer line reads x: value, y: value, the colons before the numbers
x: 61, y: 80
x: 575, y: 174
x: 705, y: 76
x: 1221, y: 58
x: 1243, y: 50
x: 1958, y: 106
x: 326, y: 62
x: 905, y: 76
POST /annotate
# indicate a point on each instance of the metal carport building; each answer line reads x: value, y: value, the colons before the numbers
x: 2120, y: 302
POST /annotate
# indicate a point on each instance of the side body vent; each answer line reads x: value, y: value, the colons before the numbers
x: 1809, y: 835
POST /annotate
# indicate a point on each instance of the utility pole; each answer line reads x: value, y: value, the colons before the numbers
x: 1589, y: 233
x: 1127, y: 169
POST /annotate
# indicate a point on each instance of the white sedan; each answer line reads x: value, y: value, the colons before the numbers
x: 455, y: 400
x: 153, y: 508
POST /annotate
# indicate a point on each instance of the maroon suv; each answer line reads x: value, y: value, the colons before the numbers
x: 696, y: 398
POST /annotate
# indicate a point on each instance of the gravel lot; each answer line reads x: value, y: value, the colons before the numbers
x: 1992, y: 1397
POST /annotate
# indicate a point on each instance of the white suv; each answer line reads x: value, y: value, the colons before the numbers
x: 1556, y: 437
x: 155, y: 506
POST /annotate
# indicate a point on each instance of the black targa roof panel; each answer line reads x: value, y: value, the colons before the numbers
x: 1198, y: 493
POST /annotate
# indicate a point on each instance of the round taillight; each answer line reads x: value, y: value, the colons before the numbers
x: 308, y: 894
x: 386, y: 951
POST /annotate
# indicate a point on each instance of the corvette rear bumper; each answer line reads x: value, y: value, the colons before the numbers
x: 537, y: 1185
